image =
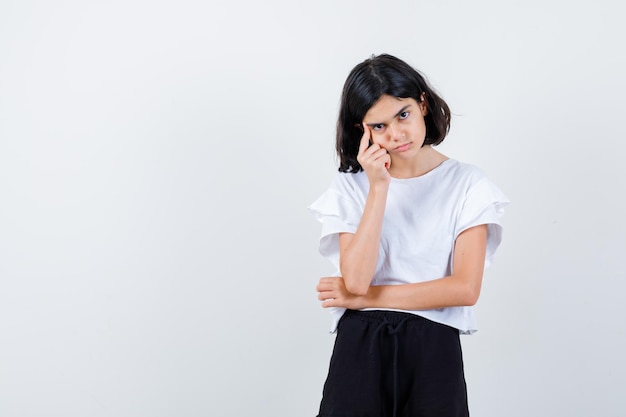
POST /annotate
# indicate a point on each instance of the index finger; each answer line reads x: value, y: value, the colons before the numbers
x: 365, y: 139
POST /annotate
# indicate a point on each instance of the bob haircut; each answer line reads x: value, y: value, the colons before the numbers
x: 366, y: 84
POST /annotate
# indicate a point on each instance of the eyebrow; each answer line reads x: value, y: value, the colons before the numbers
x: 396, y: 115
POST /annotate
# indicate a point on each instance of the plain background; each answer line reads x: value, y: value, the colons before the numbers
x: 157, y: 158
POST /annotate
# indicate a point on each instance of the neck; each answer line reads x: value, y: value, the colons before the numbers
x: 426, y: 160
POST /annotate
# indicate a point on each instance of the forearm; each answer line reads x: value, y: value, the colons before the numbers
x: 359, y: 256
x: 449, y: 291
x: 462, y: 288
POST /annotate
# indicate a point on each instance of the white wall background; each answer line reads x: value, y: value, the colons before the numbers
x: 156, y: 162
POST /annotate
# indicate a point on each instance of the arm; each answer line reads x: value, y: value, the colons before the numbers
x: 359, y: 251
x: 462, y: 288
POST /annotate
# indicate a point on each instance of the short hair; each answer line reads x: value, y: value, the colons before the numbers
x: 366, y: 84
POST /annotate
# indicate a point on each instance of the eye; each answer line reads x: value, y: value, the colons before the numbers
x: 403, y: 115
x: 378, y: 127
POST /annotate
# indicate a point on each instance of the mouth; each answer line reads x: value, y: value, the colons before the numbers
x: 403, y: 148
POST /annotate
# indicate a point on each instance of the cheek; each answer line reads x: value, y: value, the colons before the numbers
x: 378, y: 138
x: 379, y: 141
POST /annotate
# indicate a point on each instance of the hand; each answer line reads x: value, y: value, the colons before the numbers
x: 374, y: 159
x: 333, y: 293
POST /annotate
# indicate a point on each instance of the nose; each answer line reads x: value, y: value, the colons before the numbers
x: 395, y: 131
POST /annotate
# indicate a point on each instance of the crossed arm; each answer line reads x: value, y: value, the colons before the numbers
x: 462, y: 288
x: 359, y: 256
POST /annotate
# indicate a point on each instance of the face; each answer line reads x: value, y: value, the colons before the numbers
x: 397, y: 124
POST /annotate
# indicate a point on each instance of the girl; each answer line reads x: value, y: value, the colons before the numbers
x: 410, y: 231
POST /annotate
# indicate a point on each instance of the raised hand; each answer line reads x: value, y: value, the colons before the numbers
x: 374, y: 160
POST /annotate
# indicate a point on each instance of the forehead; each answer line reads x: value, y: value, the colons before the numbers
x: 387, y: 107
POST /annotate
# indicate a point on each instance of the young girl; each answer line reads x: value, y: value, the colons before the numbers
x: 410, y: 231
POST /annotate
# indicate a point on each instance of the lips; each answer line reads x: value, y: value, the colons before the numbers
x: 403, y: 148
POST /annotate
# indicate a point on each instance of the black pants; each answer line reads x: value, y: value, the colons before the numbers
x: 391, y: 364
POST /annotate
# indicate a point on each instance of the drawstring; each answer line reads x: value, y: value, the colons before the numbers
x: 392, y: 331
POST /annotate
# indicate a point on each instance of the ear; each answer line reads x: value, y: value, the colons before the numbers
x: 423, y: 104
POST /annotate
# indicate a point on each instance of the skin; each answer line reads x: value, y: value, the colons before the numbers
x: 396, y: 130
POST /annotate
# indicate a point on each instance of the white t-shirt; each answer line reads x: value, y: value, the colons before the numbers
x: 423, y: 218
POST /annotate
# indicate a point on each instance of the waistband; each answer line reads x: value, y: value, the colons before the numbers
x: 389, y: 316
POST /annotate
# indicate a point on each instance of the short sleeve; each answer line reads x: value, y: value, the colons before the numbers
x: 484, y: 204
x: 338, y: 214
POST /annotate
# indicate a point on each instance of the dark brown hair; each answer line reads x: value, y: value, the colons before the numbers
x: 366, y: 84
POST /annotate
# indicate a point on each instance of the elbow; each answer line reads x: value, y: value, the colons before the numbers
x: 466, y: 289
x: 471, y: 301
x: 470, y: 296
x: 356, y: 288
x: 354, y: 281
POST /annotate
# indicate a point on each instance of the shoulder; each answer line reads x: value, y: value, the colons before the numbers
x: 343, y: 199
x: 348, y: 181
x: 465, y: 168
x: 476, y: 185
x: 463, y: 172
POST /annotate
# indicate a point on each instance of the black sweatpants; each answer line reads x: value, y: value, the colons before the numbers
x: 393, y: 364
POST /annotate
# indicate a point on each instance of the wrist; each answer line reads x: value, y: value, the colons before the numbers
x: 379, y: 190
